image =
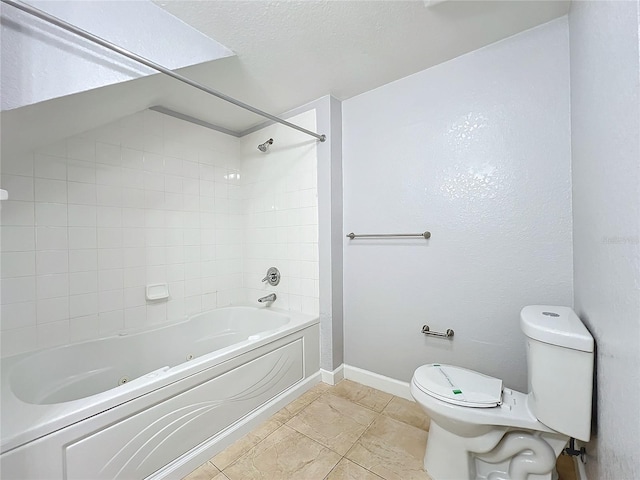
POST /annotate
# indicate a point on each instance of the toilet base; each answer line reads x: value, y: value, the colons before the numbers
x: 500, y: 453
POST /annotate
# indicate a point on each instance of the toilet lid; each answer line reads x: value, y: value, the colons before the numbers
x: 459, y: 386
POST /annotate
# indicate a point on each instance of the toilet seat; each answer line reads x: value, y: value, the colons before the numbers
x: 459, y: 386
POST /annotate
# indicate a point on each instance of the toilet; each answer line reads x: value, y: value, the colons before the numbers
x: 483, y: 430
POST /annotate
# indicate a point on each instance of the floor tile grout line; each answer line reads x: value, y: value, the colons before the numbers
x: 245, y: 453
x: 333, y: 468
x: 347, y: 400
x: 328, y: 391
x: 260, y: 441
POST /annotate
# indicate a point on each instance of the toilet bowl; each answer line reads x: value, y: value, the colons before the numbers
x: 483, y: 431
x: 465, y: 429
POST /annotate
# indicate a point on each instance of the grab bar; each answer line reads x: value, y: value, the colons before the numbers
x: 447, y: 334
x: 425, y: 235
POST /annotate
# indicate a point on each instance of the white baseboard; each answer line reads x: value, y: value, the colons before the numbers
x: 332, y: 377
x: 377, y: 381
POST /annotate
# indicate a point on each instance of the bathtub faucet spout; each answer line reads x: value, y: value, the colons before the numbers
x: 268, y: 298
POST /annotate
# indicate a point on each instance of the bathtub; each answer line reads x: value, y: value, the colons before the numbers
x: 154, y: 403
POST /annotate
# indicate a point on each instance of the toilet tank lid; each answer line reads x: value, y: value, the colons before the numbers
x: 557, y: 326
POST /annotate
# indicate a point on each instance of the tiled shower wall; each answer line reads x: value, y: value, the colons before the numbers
x: 281, y: 214
x: 91, y: 221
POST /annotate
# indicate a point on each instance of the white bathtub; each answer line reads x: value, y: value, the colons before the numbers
x: 155, y: 403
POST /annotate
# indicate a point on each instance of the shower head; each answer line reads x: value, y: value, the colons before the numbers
x: 263, y: 147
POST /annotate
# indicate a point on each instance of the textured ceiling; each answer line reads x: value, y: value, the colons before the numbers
x: 292, y: 52
x: 288, y: 54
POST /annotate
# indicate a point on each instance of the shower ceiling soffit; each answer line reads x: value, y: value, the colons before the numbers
x: 41, y: 61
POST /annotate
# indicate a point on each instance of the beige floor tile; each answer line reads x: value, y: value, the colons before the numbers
x: 362, y: 395
x: 347, y: 470
x: 322, y: 388
x: 206, y: 471
x: 392, y: 449
x: 334, y: 422
x: 285, y: 454
x: 285, y: 414
x: 244, y: 444
x: 408, y: 412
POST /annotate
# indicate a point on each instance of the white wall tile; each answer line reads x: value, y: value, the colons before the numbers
x: 106, y: 221
x: 52, y: 309
x: 111, y: 279
x: 153, y: 162
x: 83, y: 305
x: 18, y: 238
x: 83, y: 282
x: 109, y: 196
x: 109, y: 175
x: 81, y: 215
x: 82, y: 237
x: 19, y: 187
x: 135, y: 317
x: 109, y: 216
x: 58, y: 149
x: 108, y: 154
x: 133, y: 237
x: 51, y: 238
x: 81, y: 193
x: 109, y: 237
x: 83, y: 260
x: 51, y: 214
x: 18, y: 264
x: 19, y: 340
x: 53, y: 334
x: 15, y: 213
x: 50, y: 286
x: 134, y: 277
x: 81, y: 149
x: 54, y: 191
x: 132, y: 158
x: 18, y: 289
x: 21, y: 164
x: 83, y: 328
x: 83, y: 172
x: 110, y: 300
x: 52, y: 261
x: 110, y: 258
x: 134, y: 297
x: 18, y: 315
x: 47, y: 166
x: 111, y: 322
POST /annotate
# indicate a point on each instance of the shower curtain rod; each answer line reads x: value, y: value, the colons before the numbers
x: 144, y: 61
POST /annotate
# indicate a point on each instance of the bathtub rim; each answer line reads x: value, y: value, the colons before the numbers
x: 27, y: 422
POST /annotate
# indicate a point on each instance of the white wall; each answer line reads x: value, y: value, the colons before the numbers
x: 93, y: 219
x: 280, y: 194
x: 605, y: 126
x: 477, y: 151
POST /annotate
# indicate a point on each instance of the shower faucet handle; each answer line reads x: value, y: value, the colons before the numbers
x: 273, y: 276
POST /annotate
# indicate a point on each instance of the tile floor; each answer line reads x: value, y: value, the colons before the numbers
x: 347, y: 431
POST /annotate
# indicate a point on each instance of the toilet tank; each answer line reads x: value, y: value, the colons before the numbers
x: 560, y: 368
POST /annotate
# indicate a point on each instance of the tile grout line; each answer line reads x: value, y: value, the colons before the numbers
x: 342, y: 457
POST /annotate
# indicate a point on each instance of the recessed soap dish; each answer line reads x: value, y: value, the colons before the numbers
x: 157, y: 291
